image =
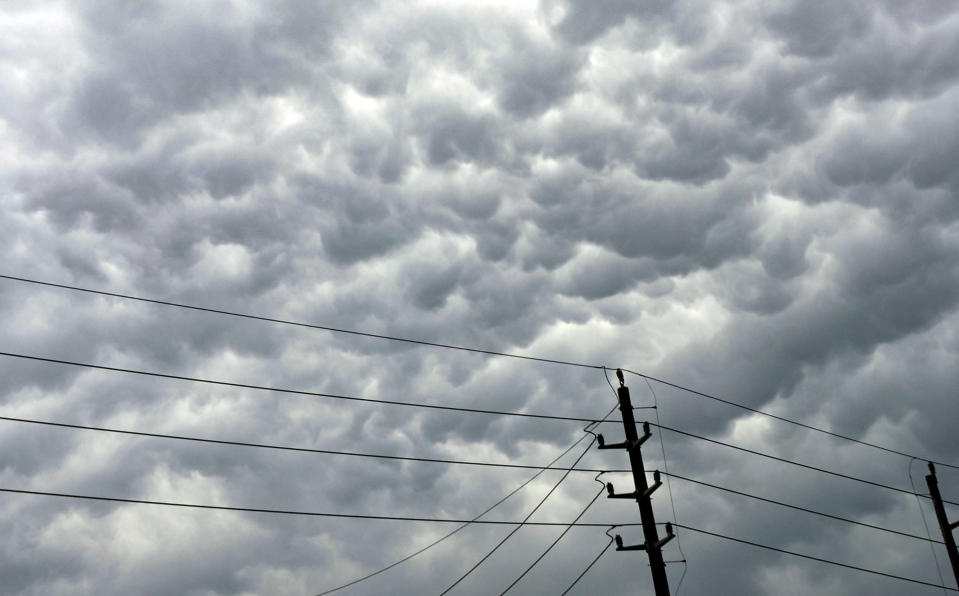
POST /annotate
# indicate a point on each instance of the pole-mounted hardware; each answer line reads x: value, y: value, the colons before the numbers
x: 612, y: 494
x: 601, y: 440
x: 933, y: 483
x: 652, y: 543
x: 658, y: 545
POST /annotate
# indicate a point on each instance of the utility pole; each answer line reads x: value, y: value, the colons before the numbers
x: 652, y: 545
x: 944, y: 524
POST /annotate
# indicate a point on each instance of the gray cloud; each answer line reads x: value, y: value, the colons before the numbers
x: 755, y: 200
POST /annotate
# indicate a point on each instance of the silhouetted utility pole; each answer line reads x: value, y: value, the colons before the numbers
x: 653, y: 545
x: 944, y: 524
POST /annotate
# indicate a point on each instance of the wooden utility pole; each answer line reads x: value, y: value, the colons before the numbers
x: 944, y: 524
x: 652, y: 545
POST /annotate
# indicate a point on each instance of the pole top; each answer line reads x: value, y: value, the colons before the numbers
x: 619, y: 375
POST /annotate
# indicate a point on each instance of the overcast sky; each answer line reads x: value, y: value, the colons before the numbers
x: 759, y: 200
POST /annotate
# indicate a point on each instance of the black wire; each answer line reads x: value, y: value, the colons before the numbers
x: 784, y: 419
x: 798, y: 508
x: 554, y: 543
x: 435, y: 542
x: 530, y: 514
x: 812, y: 558
x: 306, y: 513
x: 291, y: 391
x: 298, y: 324
x: 460, y: 348
x: 669, y: 488
x: 795, y: 463
x: 590, y: 566
x: 301, y: 449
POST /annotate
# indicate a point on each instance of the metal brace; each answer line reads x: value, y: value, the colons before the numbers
x: 657, y: 545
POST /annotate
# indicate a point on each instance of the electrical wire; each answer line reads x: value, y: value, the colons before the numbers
x: 297, y: 324
x: 925, y: 525
x: 300, y: 449
x: 783, y: 418
x: 798, y: 508
x: 812, y: 558
x: 669, y: 488
x: 554, y: 543
x: 516, y: 529
x: 789, y: 461
x: 487, y: 510
x: 459, y: 348
x: 535, y: 509
x: 591, y: 563
x: 305, y: 513
x: 291, y: 391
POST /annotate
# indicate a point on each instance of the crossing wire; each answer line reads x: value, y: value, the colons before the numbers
x: 591, y: 563
x: 300, y: 449
x: 554, y: 543
x: 303, y: 513
x: 812, y: 558
x: 535, y: 509
x: 459, y: 348
x: 444, y: 537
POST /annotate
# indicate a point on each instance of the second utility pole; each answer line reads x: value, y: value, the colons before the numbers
x: 652, y: 545
x: 933, y: 483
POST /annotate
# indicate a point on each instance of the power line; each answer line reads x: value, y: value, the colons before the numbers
x: 812, y: 558
x: 297, y: 324
x: 292, y: 391
x: 798, y: 508
x: 459, y: 348
x: 789, y: 461
x: 784, y: 419
x: 305, y: 513
x: 669, y: 489
x: 435, y: 542
x: 554, y: 543
x: 516, y: 529
x: 300, y: 449
x: 530, y: 514
x: 590, y: 566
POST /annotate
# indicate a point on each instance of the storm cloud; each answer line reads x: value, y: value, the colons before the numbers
x: 758, y: 200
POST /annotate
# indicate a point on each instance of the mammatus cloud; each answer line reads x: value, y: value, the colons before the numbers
x: 756, y: 200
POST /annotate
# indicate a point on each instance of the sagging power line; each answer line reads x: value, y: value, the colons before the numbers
x: 812, y: 558
x: 291, y: 391
x: 302, y: 513
x: 463, y: 349
x: 302, y: 449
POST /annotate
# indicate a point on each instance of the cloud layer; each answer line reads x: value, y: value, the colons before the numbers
x: 758, y: 200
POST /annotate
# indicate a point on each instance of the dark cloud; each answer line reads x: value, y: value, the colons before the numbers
x: 758, y: 201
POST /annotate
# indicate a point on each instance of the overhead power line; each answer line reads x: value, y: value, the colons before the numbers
x: 304, y: 513
x: 459, y: 348
x: 791, y: 462
x: 554, y: 543
x: 298, y: 324
x: 444, y: 537
x: 588, y: 567
x: 784, y: 419
x: 798, y: 508
x: 533, y: 511
x: 290, y: 391
x: 812, y: 558
x: 300, y: 449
